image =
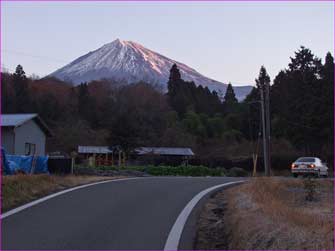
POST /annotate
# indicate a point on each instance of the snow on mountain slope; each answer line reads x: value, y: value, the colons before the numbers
x: 131, y: 62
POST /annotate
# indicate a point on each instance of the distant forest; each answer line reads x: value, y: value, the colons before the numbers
x: 107, y: 112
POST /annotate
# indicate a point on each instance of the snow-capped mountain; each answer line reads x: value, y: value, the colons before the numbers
x: 131, y: 62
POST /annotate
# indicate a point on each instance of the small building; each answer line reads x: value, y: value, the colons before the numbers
x: 101, y: 155
x: 163, y: 155
x: 24, y: 134
x: 110, y: 156
x: 94, y: 150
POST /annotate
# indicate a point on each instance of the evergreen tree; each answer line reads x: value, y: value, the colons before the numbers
x: 325, y: 106
x: 174, y: 80
x: 21, y: 91
x: 329, y: 67
x: 251, y: 114
x: 263, y: 78
x: 174, y: 74
x: 185, y: 96
x: 178, y: 92
x: 304, y: 61
x: 230, y: 103
x: 296, y: 100
x: 230, y: 97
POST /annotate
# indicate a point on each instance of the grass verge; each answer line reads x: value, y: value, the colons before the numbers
x: 269, y: 214
x: 20, y: 189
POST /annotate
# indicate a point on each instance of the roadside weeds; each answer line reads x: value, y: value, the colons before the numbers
x: 268, y: 213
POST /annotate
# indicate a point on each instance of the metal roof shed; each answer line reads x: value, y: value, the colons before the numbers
x: 167, y: 151
x: 24, y: 134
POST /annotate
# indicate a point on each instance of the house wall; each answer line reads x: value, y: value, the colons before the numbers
x: 29, y: 132
x: 7, y: 139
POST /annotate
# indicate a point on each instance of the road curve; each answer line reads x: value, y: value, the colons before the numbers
x: 129, y: 214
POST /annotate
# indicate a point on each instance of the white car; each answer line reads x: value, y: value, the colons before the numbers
x: 309, y: 165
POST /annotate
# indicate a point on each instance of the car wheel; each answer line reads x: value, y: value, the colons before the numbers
x: 295, y: 175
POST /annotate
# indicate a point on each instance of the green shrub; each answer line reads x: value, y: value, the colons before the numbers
x: 237, y: 172
x: 184, y: 171
x: 105, y: 168
x: 163, y: 170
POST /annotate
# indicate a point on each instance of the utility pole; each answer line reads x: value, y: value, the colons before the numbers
x: 267, y: 116
x: 263, y: 84
x: 265, y: 147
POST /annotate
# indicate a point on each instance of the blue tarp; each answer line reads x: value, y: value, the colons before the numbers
x: 41, y: 165
x: 5, y: 164
x: 25, y: 163
x: 13, y: 167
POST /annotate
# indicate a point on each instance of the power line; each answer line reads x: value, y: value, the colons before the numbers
x: 34, y: 56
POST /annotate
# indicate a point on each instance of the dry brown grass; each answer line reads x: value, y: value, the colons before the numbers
x: 20, y: 189
x: 272, y: 213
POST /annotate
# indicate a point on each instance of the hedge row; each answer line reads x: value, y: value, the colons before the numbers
x: 189, y: 170
x: 184, y: 171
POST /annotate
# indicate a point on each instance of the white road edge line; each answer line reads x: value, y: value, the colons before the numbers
x: 176, y: 231
x: 38, y: 201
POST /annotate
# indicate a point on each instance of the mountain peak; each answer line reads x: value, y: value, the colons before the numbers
x: 129, y: 62
x: 120, y: 44
x: 115, y: 42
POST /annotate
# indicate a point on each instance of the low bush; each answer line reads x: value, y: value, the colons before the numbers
x: 106, y: 168
x: 164, y: 170
x: 183, y: 171
x: 237, y: 172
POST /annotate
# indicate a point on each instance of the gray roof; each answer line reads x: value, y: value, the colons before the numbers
x: 94, y: 149
x: 15, y: 120
x: 181, y: 151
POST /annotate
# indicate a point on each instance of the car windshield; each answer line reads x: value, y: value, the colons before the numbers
x: 306, y: 160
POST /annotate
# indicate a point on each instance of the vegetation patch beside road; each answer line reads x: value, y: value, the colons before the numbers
x: 269, y: 213
x: 188, y: 170
x: 20, y: 189
x: 164, y: 170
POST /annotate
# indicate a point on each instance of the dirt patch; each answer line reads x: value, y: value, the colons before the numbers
x: 20, y: 189
x: 268, y: 213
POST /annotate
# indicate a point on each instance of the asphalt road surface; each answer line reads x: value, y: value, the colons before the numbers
x: 129, y: 214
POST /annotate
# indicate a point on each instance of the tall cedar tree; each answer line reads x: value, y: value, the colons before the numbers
x: 251, y: 114
x: 230, y: 97
x: 176, y: 92
x: 230, y: 100
x: 185, y: 96
x: 297, y: 95
x: 263, y: 78
x: 21, y: 91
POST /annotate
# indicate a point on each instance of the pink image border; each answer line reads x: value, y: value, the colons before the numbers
x: 152, y: 1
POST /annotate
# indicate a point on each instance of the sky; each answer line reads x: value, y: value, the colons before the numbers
x: 226, y: 41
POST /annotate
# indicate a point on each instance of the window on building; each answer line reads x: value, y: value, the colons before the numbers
x: 30, y: 149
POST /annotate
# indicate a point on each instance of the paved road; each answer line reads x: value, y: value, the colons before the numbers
x: 130, y: 214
